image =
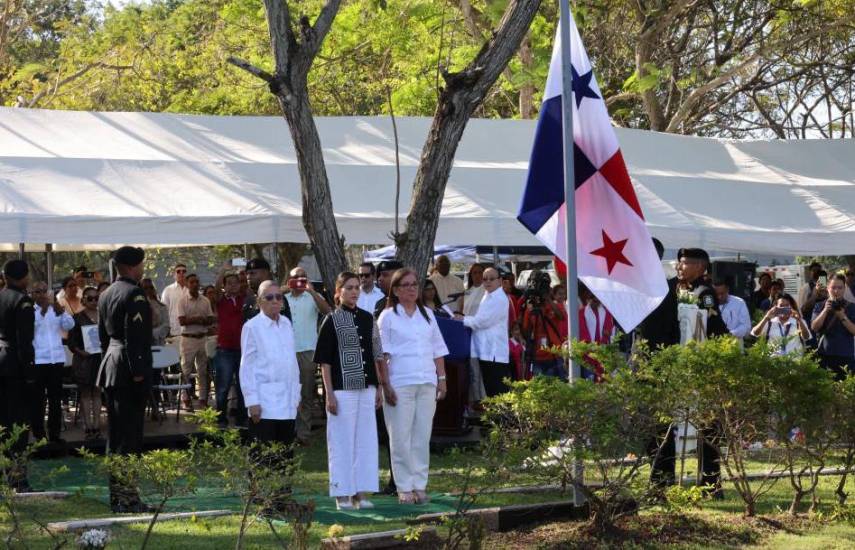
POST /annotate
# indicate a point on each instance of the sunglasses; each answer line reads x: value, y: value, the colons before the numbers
x: 90, y: 299
x: 364, y: 275
x: 272, y: 297
x: 181, y: 271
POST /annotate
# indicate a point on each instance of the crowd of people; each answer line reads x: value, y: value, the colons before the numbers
x: 375, y: 341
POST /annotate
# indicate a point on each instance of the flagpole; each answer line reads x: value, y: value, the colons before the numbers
x: 570, y: 206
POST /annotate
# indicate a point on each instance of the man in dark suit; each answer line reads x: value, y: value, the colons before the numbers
x: 258, y: 271
x: 17, y: 322
x: 661, y: 329
x: 385, y: 270
x: 693, y: 276
x: 124, y: 325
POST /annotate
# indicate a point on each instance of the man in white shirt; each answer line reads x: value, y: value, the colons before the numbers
x: 172, y: 295
x: 369, y: 293
x: 447, y: 284
x: 51, y: 320
x: 269, y: 375
x: 806, y: 290
x: 305, y: 305
x: 733, y: 309
x: 490, y: 334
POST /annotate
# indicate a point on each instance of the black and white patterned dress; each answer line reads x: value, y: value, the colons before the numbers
x: 349, y: 341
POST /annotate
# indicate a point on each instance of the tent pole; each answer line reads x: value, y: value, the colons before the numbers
x: 496, y: 256
x: 21, y: 251
x: 49, y: 265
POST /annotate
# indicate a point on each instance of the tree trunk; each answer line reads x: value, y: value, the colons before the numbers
x: 798, y: 495
x: 462, y: 94
x: 526, y: 90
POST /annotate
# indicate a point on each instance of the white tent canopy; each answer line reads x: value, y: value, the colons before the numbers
x: 75, y: 178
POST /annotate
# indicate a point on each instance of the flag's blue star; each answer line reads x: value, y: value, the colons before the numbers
x: 582, y: 86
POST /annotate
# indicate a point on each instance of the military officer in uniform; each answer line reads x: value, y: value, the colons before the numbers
x: 17, y: 322
x: 124, y: 325
x: 693, y: 276
x: 385, y: 270
x: 258, y: 271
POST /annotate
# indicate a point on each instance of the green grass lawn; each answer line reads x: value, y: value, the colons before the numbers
x: 446, y: 476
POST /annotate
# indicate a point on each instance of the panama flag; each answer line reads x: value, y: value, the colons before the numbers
x: 615, y: 255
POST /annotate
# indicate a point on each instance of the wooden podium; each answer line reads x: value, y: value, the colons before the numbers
x: 449, y: 419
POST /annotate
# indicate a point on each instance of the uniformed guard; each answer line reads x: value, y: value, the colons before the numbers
x: 692, y: 276
x: 17, y: 322
x: 258, y: 271
x: 124, y: 324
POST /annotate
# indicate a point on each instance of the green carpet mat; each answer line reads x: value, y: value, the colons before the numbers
x: 82, y: 478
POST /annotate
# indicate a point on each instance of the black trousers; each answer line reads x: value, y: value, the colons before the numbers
x: 663, y: 449
x: 838, y: 366
x: 383, y: 440
x: 13, y: 410
x: 493, y: 375
x: 47, y: 391
x: 709, y: 456
x: 125, y: 419
x: 278, y: 431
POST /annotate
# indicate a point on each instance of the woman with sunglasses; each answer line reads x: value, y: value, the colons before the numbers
x: 783, y: 327
x: 412, y: 383
x: 84, y: 364
x: 351, y: 360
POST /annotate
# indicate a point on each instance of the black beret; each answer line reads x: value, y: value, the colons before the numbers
x: 389, y: 265
x: 258, y: 263
x: 693, y: 253
x: 16, y: 269
x: 129, y: 255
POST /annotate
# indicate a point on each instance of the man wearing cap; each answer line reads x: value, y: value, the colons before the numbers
x: 692, y: 267
x: 258, y: 271
x: 661, y: 328
x: 17, y: 324
x: 124, y: 325
x: 385, y: 270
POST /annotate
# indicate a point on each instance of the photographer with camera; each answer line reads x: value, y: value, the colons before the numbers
x: 542, y: 322
x: 306, y: 305
x: 784, y: 327
x: 834, y: 324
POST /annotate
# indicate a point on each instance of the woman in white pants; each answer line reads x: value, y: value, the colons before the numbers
x: 414, y: 379
x: 350, y: 356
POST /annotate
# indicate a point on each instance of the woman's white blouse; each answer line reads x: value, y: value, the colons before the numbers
x: 412, y: 344
x: 269, y: 374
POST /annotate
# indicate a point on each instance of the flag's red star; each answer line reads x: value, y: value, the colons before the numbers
x: 612, y: 251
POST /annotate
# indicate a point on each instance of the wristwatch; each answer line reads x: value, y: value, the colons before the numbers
x: 441, y: 378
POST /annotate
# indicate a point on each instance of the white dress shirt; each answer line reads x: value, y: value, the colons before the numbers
x: 490, y: 327
x: 269, y: 375
x: 784, y: 336
x: 367, y: 300
x: 47, y: 340
x: 734, y: 312
x: 412, y: 343
x: 171, y: 296
x: 304, y: 319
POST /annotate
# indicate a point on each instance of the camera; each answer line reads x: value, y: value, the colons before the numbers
x: 837, y: 305
x: 537, y: 288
